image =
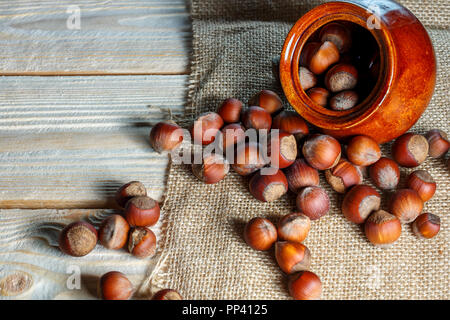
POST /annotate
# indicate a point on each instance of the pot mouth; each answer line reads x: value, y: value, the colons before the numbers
x: 290, y: 63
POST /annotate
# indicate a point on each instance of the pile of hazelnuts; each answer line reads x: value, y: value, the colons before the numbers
x: 327, y: 71
x: 361, y: 203
x: 140, y: 211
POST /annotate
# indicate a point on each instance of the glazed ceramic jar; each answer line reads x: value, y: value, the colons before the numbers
x: 404, y: 77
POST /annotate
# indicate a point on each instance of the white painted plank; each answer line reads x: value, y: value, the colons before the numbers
x: 28, y: 243
x: 99, y: 103
x: 115, y: 37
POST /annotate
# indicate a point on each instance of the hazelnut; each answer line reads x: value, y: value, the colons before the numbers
x: 423, y: 183
x: 167, y: 294
x: 363, y: 151
x: 385, y: 173
x: 338, y: 34
x: 308, y: 51
x: 257, y: 118
x: 427, y: 225
x: 115, y: 285
x: 292, y: 256
x: 318, y: 95
x: 142, y: 242
x: 322, y: 151
x: 382, y: 228
x: 313, y: 202
x: 268, y: 100
x: 406, y: 205
x: 130, y: 190
x: 359, y: 202
x: 291, y: 122
x: 249, y: 158
x: 307, y: 78
x: 230, y: 110
x: 438, y: 142
x: 260, y: 234
x: 206, y: 127
x: 323, y: 57
x: 142, y: 211
x: 232, y: 134
x: 410, y: 150
x: 305, y: 285
x: 341, y: 77
x: 282, y: 149
x: 344, y: 100
x: 268, y: 188
x: 300, y: 174
x: 166, y: 136
x: 113, y: 232
x: 294, y: 227
x: 343, y: 175
x: 78, y: 239
x: 213, y: 169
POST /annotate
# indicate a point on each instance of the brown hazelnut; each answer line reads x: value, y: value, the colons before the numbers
x: 318, y: 95
x: 142, y: 211
x: 322, y: 151
x: 308, y: 50
x: 427, y: 225
x: 268, y: 100
x: 385, y: 173
x: 406, y: 205
x: 206, y: 127
x: 337, y: 33
x: 292, y: 256
x: 300, y: 174
x: 256, y: 118
x: 130, y: 190
x: 232, y: 134
x: 142, y: 242
x: 281, y: 149
x: 344, y: 100
x: 268, y: 188
x: 363, y: 151
x: 410, y: 150
x: 167, y: 294
x: 313, y: 202
x: 213, y: 169
x: 115, y: 285
x: 260, y: 234
x: 343, y: 175
x: 113, y: 232
x: 78, y: 239
x: 423, y: 183
x: 341, y: 77
x: 230, y: 110
x: 249, y: 158
x: 323, y: 57
x: 294, y: 227
x: 291, y: 122
x: 382, y: 228
x: 166, y: 136
x: 305, y: 285
x: 359, y: 202
x: 307, y: 78
x: 438, y: 142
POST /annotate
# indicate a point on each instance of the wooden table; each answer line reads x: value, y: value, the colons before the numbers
x: 76, y: 108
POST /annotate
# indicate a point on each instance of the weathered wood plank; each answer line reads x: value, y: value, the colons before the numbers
x: 101, y: 103
x: 28, y: 243
x: 126, y: 37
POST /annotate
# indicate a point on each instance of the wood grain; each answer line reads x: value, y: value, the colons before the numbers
x: 28, y: 243
x: 115, y: 37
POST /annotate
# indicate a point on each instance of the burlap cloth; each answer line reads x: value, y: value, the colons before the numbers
x: 205, y: 256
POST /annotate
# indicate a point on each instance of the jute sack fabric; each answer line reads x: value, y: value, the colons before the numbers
x: 204, y: 254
